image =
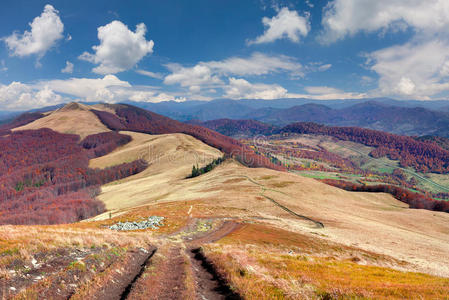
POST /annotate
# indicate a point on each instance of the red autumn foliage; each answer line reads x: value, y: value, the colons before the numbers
x: 414, y: 200
x: 423, y: 157
x: 45, y: 178
x: 102, y: 143
x: 136, y: 119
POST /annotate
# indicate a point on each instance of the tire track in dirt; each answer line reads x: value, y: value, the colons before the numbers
x: 163, y: 277
x: 128, y: 288
x: 180, y: 270
x: 117, y: 281
x: 209, y: 283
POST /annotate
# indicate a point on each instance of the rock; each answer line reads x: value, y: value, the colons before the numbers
x: 153, y: 222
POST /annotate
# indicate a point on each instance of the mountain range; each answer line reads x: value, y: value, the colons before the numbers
x: 412, y: 117
x: 405, y: 117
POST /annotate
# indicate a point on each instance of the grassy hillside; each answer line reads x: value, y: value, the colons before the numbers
x: 233, y: 232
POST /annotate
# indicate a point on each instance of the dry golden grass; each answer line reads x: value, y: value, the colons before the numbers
x: 22, y: 242
x: 257, y: 262
x: 374, y: 222
x: 371, y: 236
x: 170, y: 157
x: 73, y: 118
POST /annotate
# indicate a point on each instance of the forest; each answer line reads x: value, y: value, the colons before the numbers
x: 45, y: 176
x: 422, y: 156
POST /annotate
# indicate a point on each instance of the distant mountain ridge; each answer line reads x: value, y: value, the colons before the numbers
x: 383, y: 116
x: 405, y: 117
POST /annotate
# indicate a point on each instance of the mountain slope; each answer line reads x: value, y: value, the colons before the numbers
x: 239, y: 192
x: 126, y: 117
x: 74, y: 118
x: 170, y: 158
x: 263, y: 232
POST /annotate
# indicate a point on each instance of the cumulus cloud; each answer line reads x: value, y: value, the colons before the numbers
x: 68, y: 68
x: 419, y: 68
x: 416, y: 69
x: 91, y: 89
x: 198, y: 75
x: 239, y: 88
x: 151, y: 96
x: 256, y: 64
x: 107, y: 89
x: 149, y: 74
x: 19, y: 96
x: 343, y: 18
x: 120, y: 49
x: 46, y: 30
x: 286, y: 24
x: 210, y: 73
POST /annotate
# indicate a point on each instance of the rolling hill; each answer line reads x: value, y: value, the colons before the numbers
x: 233, y: 231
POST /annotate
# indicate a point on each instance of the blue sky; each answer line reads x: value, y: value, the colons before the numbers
x: 111, y: 51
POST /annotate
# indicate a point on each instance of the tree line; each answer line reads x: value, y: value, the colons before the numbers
x: 422, y: 156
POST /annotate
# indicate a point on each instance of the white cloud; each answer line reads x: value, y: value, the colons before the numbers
x: 320, y: 90
x: 198, y: 75
x: 239, y: 88
x: 332, y: 96
x: 256, y: 64
x: 195, y: 89
x: 343, y: 18
x: 326, y: 93
x: 325, y: 67
x: 286, y: 24
x: 19, y: 96
x: 107, y: 89
x: 242, y: 89
x: 149, y: 74
x: 91, y: 89
x: 46, y: 30
x: 210, y: 73
x: 120, y: 49
x: 417, y: 68
x: 68, y: 68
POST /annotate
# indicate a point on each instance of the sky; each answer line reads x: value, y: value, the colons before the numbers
x: 151, y: 51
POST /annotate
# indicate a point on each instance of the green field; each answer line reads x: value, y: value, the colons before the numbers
x: 359, y: 155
